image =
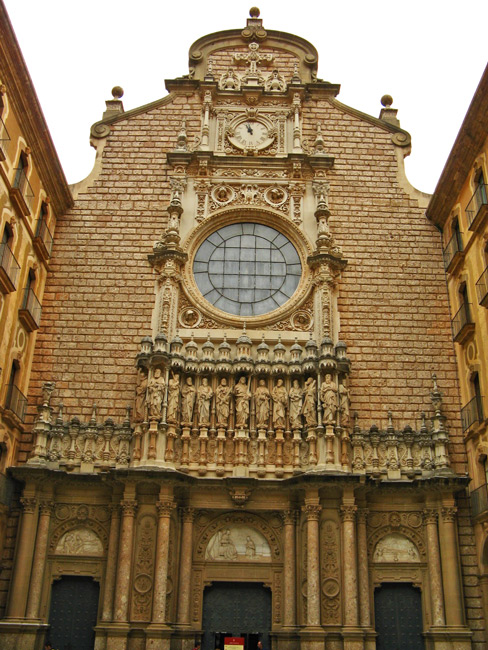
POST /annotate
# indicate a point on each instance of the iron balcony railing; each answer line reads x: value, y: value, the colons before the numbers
x: 4, y: 138
x: 22, y: 184
x: 16, y: 402
x: 472, y: 412
x: 479, y: 501
x: 44, y: 233
x: 478, y: 200
x: 461, y: 319
x: 482, y: 288
x: 454, y: 246
x: 32, y: 305
x: 9, y: 264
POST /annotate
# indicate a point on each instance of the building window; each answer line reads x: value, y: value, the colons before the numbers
x: 15, y: 401
x: 472, y: 413
x: 462, y: 323
x: 455, y: 245
x: 247, y: 269
x: 21, y: 172
x: 9, y: 268
x: 30, y: 312
x: 43, y: 241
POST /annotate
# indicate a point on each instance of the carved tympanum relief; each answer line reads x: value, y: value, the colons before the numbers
x: 79, y: 541
x: 395, y: 548
x: 238, y: 543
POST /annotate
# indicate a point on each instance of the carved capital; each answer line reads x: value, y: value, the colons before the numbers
x: 239, y: 495
x: 46, y: 507
x: 114, y: 510
x: 187, y: 514
x: 289, y: 517
x: 430, y: 516
x: 363, y: 515
x: 129, y: 507
x: 312, y: 511
x: 165, y: 508
x: 348, y: 513
x: 28, y: 504
x: 449, y: 513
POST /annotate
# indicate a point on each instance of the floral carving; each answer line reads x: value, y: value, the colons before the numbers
x: 143, y: 569
x: 330, y: 573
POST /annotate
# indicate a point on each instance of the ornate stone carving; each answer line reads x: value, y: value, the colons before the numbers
x: 239, y: 543
x: 348, y: 512
x: 330, y: 573
x: 395, y: 548
x: 79, y: 541
x: 29, y: 504
x: 280, y: 404
x: 142, y: 589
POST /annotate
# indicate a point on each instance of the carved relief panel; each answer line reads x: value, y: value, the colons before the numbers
x: 143, y: 571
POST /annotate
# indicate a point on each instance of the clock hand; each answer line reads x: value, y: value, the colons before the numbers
x: 249, y: 128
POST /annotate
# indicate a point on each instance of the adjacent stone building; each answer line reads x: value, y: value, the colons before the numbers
x: 254, y: 430
x: 459, y: 207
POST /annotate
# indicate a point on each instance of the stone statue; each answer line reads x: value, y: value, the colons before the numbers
x: 204, y: 397
x: 242, y: 396
x: 280, y: 402
x: 309, y: 407
x: 229, y: 81
x: 250, y: 547
x: 155, y: 393
x: 275, y: 82
x: 173, y: 399
x: 296, y: 402
x: 188, y: 394
x: 140, y: 400
x: 222, y: 402
x: 262, y: 399
x: 328, y: 397
x: 344, y: 404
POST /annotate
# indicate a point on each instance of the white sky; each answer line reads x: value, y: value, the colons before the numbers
x: 428, y: 54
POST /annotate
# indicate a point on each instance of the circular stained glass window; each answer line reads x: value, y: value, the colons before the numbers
x: 247, y: 269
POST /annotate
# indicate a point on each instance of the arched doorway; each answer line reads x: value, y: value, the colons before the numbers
x: 73, y: 613
x: 398, y: 617
x: 239, y: 609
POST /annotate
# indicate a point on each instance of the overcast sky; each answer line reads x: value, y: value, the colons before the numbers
x: 428, y: 54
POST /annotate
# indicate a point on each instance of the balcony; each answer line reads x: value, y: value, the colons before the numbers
x: 4, y: 140
x: 43, y: 241
x: 30, y: 312
x: 479, y: 501
x: 21, y: 193
x: 472, y: 413
x: 477, y: 208
x: 16, y: 402
x: 482, y: 288
x: 9, y: 269
x: 462, y: 324
x: 453, y: 252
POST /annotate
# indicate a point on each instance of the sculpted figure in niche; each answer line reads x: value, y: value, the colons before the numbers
x: 250, y: 547
x: 242, y: 396
x: 155, y: 393
x: 140, y: 400
x: 188, y: 394
x: 309, y: 408
x: 328, y: 397
x: 222, y: 402
x: 296, y: 402
x: 229, y: 81
x: 222, y: 547
x: 204, y: 397
x: 262, y: 399
x: 344, y: 404
x: 275, y: 82
x: 280, y: 402
x: 173, y: 398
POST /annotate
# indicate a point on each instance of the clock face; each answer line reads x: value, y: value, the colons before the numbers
x: 251, y: 135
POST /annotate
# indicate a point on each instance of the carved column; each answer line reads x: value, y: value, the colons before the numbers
x: 433, y: 554
x: 165, y: 508
x: 121, y: 604
x: 450, y: 567
x: 312, y: 514
x: 290, y: 517
x: 23, y: 561
x: 184, y: 586
x: 39, y: 562
x: 348, y: 513
x: 363, y: 569
x: 111, y: 569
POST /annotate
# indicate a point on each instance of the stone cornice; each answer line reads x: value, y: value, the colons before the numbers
x: 25, y: 105
x: 466, y: 147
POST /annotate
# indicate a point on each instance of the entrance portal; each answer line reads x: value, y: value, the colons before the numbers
x: 239, y: 609
x: 398, y: 617
x: 73, y: 613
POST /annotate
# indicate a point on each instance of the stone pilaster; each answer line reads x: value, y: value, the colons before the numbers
x: 23, y: 561
x: 111, y: 568
x: 363, y: 569
x: 39, y: 562
x: 289, y: 614
x: 348, y: 514
x: 122, y: 589
x: 165, y: 509
x: 435, y: 575
x: 184, y: 586
x: 450, y: 568
x: 312, y: 514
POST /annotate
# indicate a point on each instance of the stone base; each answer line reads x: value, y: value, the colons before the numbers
x: 19, y: 634
x: 158, y: 637
x: 184, y: 638
x: 353, y: 638
x: 286, y: 639
x: 448, y: 637
x: 116, y: 636
x: 312, y: 638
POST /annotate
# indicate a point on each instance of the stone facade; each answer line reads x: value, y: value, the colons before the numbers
x: 305, y: 439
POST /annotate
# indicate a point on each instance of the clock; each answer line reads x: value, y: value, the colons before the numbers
x: 251, y: 134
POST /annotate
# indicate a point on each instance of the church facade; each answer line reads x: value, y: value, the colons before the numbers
x: 247, y: 409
